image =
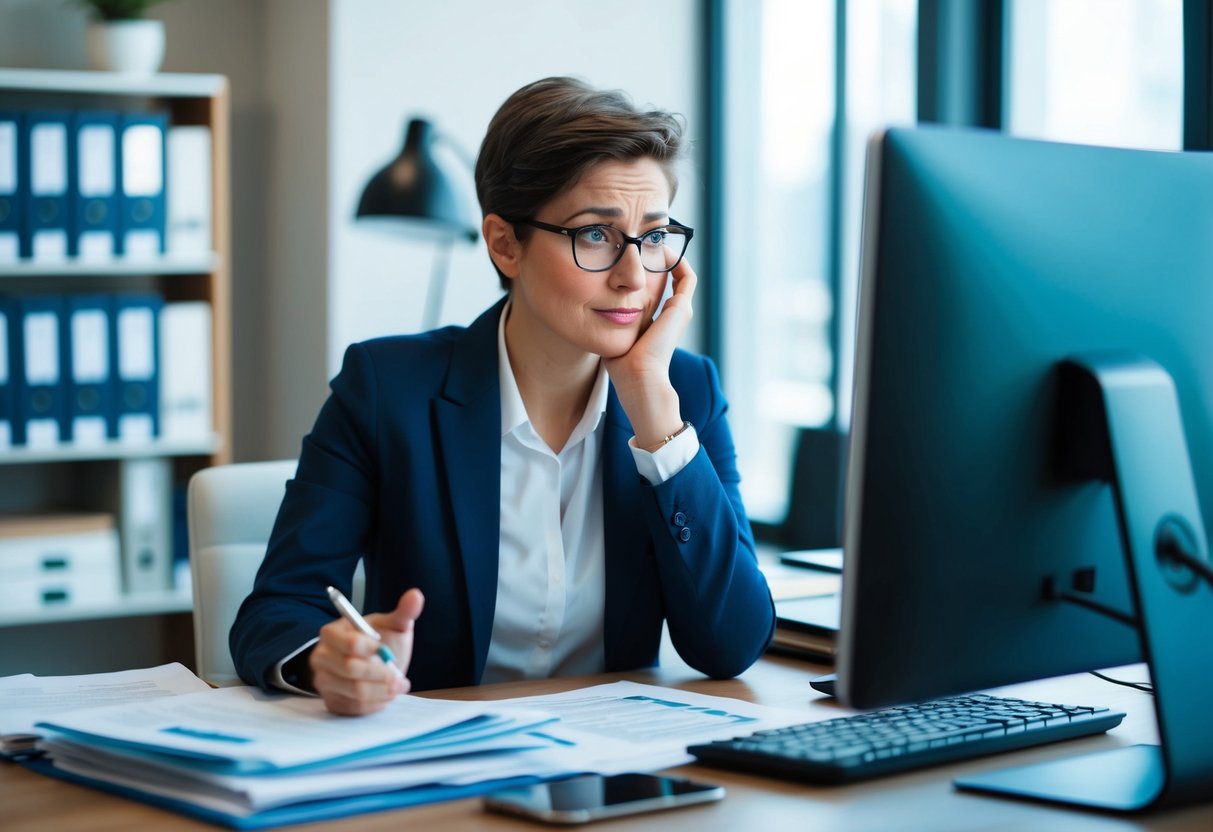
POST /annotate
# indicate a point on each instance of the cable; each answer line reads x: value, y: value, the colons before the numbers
x: 1173, y: 549
x: 1145, y: 687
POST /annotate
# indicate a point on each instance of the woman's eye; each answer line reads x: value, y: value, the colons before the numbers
x: 596, y: 235
x: 655, y: 238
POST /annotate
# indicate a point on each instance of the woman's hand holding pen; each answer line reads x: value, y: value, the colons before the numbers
x: 347, y: 670
x: 642, y: 375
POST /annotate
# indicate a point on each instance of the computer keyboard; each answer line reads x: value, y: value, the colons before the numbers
x: 904, y: 738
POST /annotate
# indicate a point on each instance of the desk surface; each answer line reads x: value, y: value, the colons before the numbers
x: 919, y: 800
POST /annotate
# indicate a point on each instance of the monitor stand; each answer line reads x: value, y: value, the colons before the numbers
x: 1124, y: 427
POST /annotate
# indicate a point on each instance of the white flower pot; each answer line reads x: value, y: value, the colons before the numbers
x: 135, y: 46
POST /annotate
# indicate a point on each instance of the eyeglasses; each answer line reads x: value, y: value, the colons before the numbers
x: 597, y: 248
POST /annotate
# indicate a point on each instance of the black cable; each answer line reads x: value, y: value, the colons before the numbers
x: 1145, y: 687
x: 1171, y: 548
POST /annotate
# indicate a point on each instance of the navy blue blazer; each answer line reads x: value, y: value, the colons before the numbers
x: 403, y: 469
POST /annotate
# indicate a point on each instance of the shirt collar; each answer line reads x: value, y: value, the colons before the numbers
x: 513, y: 411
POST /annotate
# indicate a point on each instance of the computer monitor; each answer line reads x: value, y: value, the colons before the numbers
x: 981, y: 489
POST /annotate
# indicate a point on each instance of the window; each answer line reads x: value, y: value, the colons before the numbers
x: 791, y: 207
x: 1097, y: 71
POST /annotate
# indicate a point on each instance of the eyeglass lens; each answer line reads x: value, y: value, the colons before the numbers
x: 599, y: 247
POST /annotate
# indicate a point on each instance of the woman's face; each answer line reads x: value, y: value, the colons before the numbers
x: 566, y: 309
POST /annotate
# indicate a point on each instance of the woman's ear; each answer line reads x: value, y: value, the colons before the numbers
x: 503, y: 246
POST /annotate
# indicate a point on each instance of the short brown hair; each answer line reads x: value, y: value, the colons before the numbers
x: 549, y: 133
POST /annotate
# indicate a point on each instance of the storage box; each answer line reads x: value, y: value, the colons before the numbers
x: 58, y: 560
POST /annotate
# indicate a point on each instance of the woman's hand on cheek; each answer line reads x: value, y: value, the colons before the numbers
x: 642, y: 375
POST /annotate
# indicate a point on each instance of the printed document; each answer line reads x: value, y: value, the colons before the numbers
x: 27, y: 698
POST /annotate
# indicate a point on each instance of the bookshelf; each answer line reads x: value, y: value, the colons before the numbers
x: 59, y: 477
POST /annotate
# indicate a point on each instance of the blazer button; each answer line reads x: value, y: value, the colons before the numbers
x: 680, y: 519
x: 685, y: 534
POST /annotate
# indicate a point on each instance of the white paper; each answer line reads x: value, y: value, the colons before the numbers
x: 26, y: 699
x: 609, y: 728
x: 626, y: 726
x: 246, y: 729
x: 243, y: 795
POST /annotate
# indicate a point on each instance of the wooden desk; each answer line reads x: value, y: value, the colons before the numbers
x: 920, y: 800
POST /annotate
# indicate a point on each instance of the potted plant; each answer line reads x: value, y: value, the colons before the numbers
x: 120, y: 39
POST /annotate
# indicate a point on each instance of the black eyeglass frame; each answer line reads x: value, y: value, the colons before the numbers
x: 572, y: 233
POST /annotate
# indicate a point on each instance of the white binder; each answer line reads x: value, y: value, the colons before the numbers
x: 189, y: 190
x: 185, y: 370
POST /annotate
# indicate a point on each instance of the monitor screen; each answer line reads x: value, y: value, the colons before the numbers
x: 986, y: 261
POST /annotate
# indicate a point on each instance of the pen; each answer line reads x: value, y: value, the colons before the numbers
x: 354, y: 617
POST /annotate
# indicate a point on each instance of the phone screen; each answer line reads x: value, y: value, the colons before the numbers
x: 593, y: 796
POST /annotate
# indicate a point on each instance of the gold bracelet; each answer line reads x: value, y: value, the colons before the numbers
x: 668, y: 439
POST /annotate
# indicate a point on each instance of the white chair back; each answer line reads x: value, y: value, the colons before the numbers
x: 231, y: 511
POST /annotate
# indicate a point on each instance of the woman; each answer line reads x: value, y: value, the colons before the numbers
x: 550, y: 483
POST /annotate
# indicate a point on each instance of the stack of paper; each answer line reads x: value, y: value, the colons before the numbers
x: 26, y: 699
x: 246, y: 759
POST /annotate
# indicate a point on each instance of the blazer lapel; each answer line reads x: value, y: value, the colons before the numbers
x: 468, y: 421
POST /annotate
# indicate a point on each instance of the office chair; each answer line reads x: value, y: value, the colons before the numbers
x: 230, y: 513
x: 814, y: 515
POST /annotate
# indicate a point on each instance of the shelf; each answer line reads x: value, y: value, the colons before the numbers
x: 110, y: 450
x: 138, y: 604
x: 170, y: 264
x: 164, y: 85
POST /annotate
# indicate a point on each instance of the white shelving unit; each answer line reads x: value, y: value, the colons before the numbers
x: 29, y: 473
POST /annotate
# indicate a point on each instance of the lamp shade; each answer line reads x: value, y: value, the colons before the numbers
x: 417, y: 193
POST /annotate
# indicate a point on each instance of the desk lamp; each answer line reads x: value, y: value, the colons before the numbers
x: 415, y: 195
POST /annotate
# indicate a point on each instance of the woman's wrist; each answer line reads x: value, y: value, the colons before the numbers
x: 654, y: 417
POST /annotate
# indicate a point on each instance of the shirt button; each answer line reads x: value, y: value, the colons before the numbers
x: 680, y: 519
x: 685, y: 534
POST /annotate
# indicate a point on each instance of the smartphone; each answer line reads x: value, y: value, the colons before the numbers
x: 591, y: 797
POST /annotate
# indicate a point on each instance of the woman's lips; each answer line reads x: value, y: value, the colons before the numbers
x: 622, y: 317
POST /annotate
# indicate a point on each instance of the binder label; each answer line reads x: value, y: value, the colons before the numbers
x: 142, y: 243
x: 8, y: 157
x: 144, y: 142
x: 90, y: 360
x: 96, y: 146
x: 48, y: 159
x: 41, y: 433
x: 95, y: 245
x: 42, y: 348
x: 50, y: 244
x: 88, y: 430
x: 3, y: 348
x: 136, y: 359
x: 136, y: 427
